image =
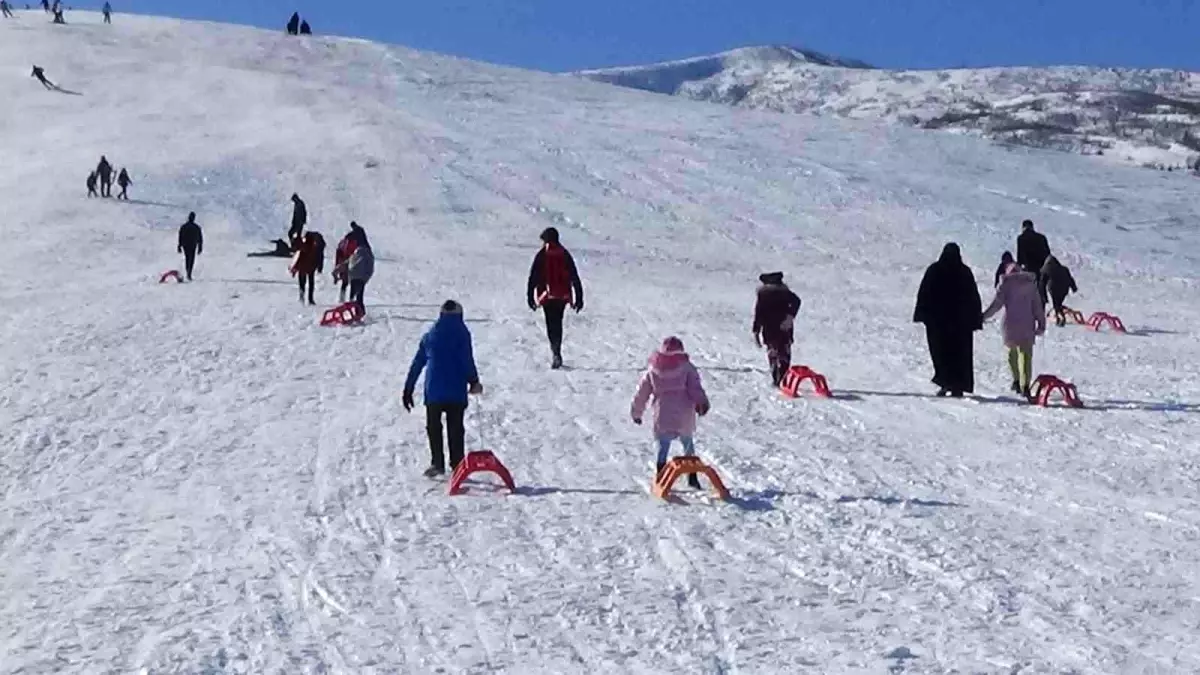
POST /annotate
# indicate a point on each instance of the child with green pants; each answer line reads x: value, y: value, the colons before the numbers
x: 1024, y: 320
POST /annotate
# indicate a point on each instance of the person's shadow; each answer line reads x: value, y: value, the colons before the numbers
x: 55, y: 87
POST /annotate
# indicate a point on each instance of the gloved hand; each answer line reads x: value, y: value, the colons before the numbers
x: 532, y: 305
x: 578, y: 306
x: 179, y: 249
x: 702, y: 409
x: 637, y: 421
x: 758, y: 340
x: 407, y: 400
x: 475, y: 388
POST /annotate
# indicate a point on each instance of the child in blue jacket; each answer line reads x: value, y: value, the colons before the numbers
x: 446, y: 355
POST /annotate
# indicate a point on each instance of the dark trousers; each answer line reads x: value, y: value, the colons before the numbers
x: 953, y: 355
x: 554, y: 310
x: 8, y: 13
x: 454, y: 413
x: 92, y: 192
x: 309, y: 280
x: 108, y: 18
x: 105, y: 187
x: 124, y: 194
x: 357, y: 288
x: 779, y: 355
x: 345, y: 285
x: 189, y: 260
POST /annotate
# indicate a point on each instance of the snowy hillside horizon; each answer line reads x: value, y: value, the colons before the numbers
x: 199, y: 478
x: 1144, y: 117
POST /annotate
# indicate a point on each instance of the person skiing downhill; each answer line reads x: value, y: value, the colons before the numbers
x: 91, y: 185
x: 948, y: 304
x: 678, y: 395
x: 299, y: 218
x: 1059, y: 283
x: 1024, y: 320
x: 104, y: 172
x: 191, y: 243
x: 775, y: 311
x: 40, y: 74
x: 554, y: 285
x: 124, y: 182
x: 446, y: 356
x: 309, y: 261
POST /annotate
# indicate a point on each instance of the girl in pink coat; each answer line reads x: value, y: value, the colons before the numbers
x: 1024, y: 320
x: 674, y: 384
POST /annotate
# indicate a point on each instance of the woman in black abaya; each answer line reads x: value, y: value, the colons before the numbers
x: 948, y: 304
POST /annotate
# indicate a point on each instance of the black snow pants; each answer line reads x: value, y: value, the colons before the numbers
x: 358, y: 287
x: 454, y: 413
x: 555, y: 310
x: 307, y: 280
x: 189, y: 260
x: 779, y: 354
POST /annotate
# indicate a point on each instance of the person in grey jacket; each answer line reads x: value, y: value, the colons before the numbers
x: 359, y: 268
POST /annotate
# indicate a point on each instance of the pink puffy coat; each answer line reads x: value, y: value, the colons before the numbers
x: 674, y: 384
x: 1024, y: 315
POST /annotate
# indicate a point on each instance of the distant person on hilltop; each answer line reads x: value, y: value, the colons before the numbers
x: 293, y: 24
x: 104, y: 171
x: 775, y: 311
x: 5, y: 9
x: 948, y: 304
x: 107, y: 10
x: 191, y: 243
x: 124, y: 182
x: 299, y: 218
x: 304, y: 28
x: 554, y: 285
x: 40, y: 74
x: 91, y: 185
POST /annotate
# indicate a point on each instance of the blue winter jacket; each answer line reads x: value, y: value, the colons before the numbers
x: 445, y: 353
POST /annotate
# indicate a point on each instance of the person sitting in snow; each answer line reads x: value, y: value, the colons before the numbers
x: 1059, y: 283
x: 446, y: 356
x: 1024, y: 320
x: 673, y: 383
x: 40, y: 74
x: 282, y: 250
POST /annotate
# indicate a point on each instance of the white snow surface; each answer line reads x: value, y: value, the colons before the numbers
x: 1145, y: 117
x: 197, y: 478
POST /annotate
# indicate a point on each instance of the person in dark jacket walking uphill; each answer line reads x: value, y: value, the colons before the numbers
x: 775, y: 313
x: 1005, y: 261
x: 1032, y: 251
x: 104, y: 171
x: 191, y: 243
x: 1058, y: 283
x: 948, y: 304
x: 124, y: 182
x: 91, y: 185
x: 299, y: 218
x: 553, y: 285
x: 446, y: 356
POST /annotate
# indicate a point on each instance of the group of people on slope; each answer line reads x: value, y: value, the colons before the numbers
x: 354, y: 259
x: 297, y: 27
x: 104, y: 175
x: 949, y: 305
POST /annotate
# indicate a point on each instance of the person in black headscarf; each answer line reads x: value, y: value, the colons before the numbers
x: 948, y: 304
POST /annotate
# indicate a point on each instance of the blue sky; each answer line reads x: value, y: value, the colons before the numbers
x: 565, y: 35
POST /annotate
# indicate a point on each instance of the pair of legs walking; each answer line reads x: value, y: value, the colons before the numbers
x: 664, y: 450
x: 779, y: 355
x: 454, y: 436
x: 554, y: 311
x: 189, y: 261
x: 308, y: 280
x: 357, y: 288
x: 1020, y: 363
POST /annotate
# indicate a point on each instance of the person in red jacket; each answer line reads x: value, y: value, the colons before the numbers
x: 309, y: 260
x: 553, y: 285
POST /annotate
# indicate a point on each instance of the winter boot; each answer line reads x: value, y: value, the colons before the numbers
x: 943, y: 393
x: 693, y: 481
x: 1016, y: 387
x: 556, y: 360
x: 434, y: 472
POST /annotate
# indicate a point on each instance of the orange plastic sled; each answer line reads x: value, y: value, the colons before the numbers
x: 682, y: 466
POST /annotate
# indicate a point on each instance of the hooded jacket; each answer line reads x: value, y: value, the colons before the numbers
x: 1024, y: 315
x: 674, y: 385
x: 1058, y: 279
x: 448, y: 360
x: 775, y: 310
x: 948, y: 299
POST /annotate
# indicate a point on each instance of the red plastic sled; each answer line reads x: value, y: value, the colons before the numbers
x: 797, y: 375
x: 1072, y: 315
x: 474, y: 462
x: 342, y: 315
x: 1045, y: 385
x: 170, y: 274
x: 1100, y: 318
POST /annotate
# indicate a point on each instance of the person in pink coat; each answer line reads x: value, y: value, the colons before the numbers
x: 678, y: 396
x: 1024, y: 320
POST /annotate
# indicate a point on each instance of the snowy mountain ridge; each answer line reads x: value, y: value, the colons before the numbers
x: 1138, y: 116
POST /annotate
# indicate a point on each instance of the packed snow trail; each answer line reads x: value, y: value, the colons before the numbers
x: 198, y: 478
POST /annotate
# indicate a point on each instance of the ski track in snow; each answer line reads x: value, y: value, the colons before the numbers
x: 196, y: 478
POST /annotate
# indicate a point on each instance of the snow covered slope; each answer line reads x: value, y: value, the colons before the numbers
x: 199, y: 479
x: 1142, y: 117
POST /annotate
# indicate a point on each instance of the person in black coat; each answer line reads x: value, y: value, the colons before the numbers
x: 191, y: 243
x: 293, y: 24
x: 1032, y: 251
x: 1059, y: 283
x: 299, y: 218
x: 305, y: 29
x: 775, y: 310
x: 554, y: 285
x: 948, y: 304
x: 104, y: 171
x: 1005, y: 261
x: 124, y: 182
x: 91, y: 185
